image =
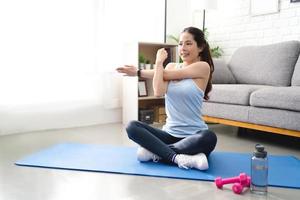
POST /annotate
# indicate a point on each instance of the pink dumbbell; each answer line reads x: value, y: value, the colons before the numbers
x: 248, y: 181
x: 238, y: 187
x: 242, y: 179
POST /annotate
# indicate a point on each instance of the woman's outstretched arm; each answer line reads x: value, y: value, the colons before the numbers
x: 195, y: 70
x: 130, y: 70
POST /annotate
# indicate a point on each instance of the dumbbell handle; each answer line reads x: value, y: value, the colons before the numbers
x: 231, y: 180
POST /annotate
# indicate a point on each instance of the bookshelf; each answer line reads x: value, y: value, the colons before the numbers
x: 133, y: 105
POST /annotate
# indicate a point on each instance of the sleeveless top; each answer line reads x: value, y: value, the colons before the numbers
x: 183, y: 102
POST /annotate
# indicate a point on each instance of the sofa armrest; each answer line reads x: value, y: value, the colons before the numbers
x: 222, y: 74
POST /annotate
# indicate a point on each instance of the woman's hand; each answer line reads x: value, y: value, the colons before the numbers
x: 161, y: 56
x: 128, y: 70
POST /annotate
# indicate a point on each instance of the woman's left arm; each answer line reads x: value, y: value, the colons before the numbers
x: 159, y: 84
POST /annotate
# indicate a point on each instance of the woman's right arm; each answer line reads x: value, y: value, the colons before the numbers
x: 131, y: 70
x: 192, y: 71
x: 147, y: 73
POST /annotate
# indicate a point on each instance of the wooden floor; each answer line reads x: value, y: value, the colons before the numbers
x: 25, y: 183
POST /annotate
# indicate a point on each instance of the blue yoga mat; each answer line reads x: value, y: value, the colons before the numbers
x: 284, y: 171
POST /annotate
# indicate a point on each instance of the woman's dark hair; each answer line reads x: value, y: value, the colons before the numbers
x: 205, y: 54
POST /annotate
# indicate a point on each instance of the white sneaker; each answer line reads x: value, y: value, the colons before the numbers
x: 144, y: 155
x: 198, y: 161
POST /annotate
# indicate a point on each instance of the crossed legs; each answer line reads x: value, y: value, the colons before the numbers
x: 167, y: 146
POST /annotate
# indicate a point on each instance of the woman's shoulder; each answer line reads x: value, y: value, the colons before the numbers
x: 203, y: 63
x: 202, y: 66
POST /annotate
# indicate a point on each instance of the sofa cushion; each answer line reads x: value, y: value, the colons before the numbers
x: 277, y: 97
x: 275, y: 117
x: 226, y: 111
x: 296, y: 74
x: 222, y: 73
x: 265, y: 65
x: 233, y: 93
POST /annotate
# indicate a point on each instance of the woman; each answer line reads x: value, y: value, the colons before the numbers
x: 185, y: 139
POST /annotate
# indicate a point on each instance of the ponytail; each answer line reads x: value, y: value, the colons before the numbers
x: 206, y: 56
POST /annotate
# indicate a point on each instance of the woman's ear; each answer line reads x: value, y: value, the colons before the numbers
x: 200, y: 50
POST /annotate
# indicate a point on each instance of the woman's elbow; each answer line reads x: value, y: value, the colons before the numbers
x: 168, y: 75
x: 158, y: 93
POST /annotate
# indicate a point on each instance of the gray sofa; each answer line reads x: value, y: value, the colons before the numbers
x: 258, y: 89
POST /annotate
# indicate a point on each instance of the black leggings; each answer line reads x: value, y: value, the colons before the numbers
x: 167, y: 146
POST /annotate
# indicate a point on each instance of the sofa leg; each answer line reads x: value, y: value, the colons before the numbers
x: 242, y: 131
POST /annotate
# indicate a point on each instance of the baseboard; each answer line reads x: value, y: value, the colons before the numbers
x: 33, y: 118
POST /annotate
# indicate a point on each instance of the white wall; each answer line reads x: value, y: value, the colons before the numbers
x: 47, y: 57
x: 48, y: 76
x: 58, y: 63
x: 178, y: 16
x: 232, y: 25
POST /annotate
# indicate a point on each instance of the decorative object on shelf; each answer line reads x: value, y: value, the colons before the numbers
x: 142, y: 61
x: 203, y: 5
x: 259, y: 7
x: 142, y: 88
x: 160, y: 114
x: 148, y: 64
x: 146, y: 115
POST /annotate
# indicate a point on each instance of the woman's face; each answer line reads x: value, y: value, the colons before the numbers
x: 188, y: 49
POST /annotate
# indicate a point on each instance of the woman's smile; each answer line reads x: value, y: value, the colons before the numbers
x: 184, y: 54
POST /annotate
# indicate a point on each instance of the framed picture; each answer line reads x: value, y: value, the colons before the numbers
x: 142, y: 87
x: 263, y: 7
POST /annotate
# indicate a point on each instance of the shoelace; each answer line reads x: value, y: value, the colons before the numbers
x: 155, y: 158
x: 184, y: 162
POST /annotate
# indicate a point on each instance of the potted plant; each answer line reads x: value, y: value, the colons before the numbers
x: 141, y: 61
x: 148, y: 64
x: 215, y: 51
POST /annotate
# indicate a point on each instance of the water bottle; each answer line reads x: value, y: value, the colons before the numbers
x: 259, y: 170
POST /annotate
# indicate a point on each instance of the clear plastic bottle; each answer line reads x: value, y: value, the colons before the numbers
x: 259, y: 170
